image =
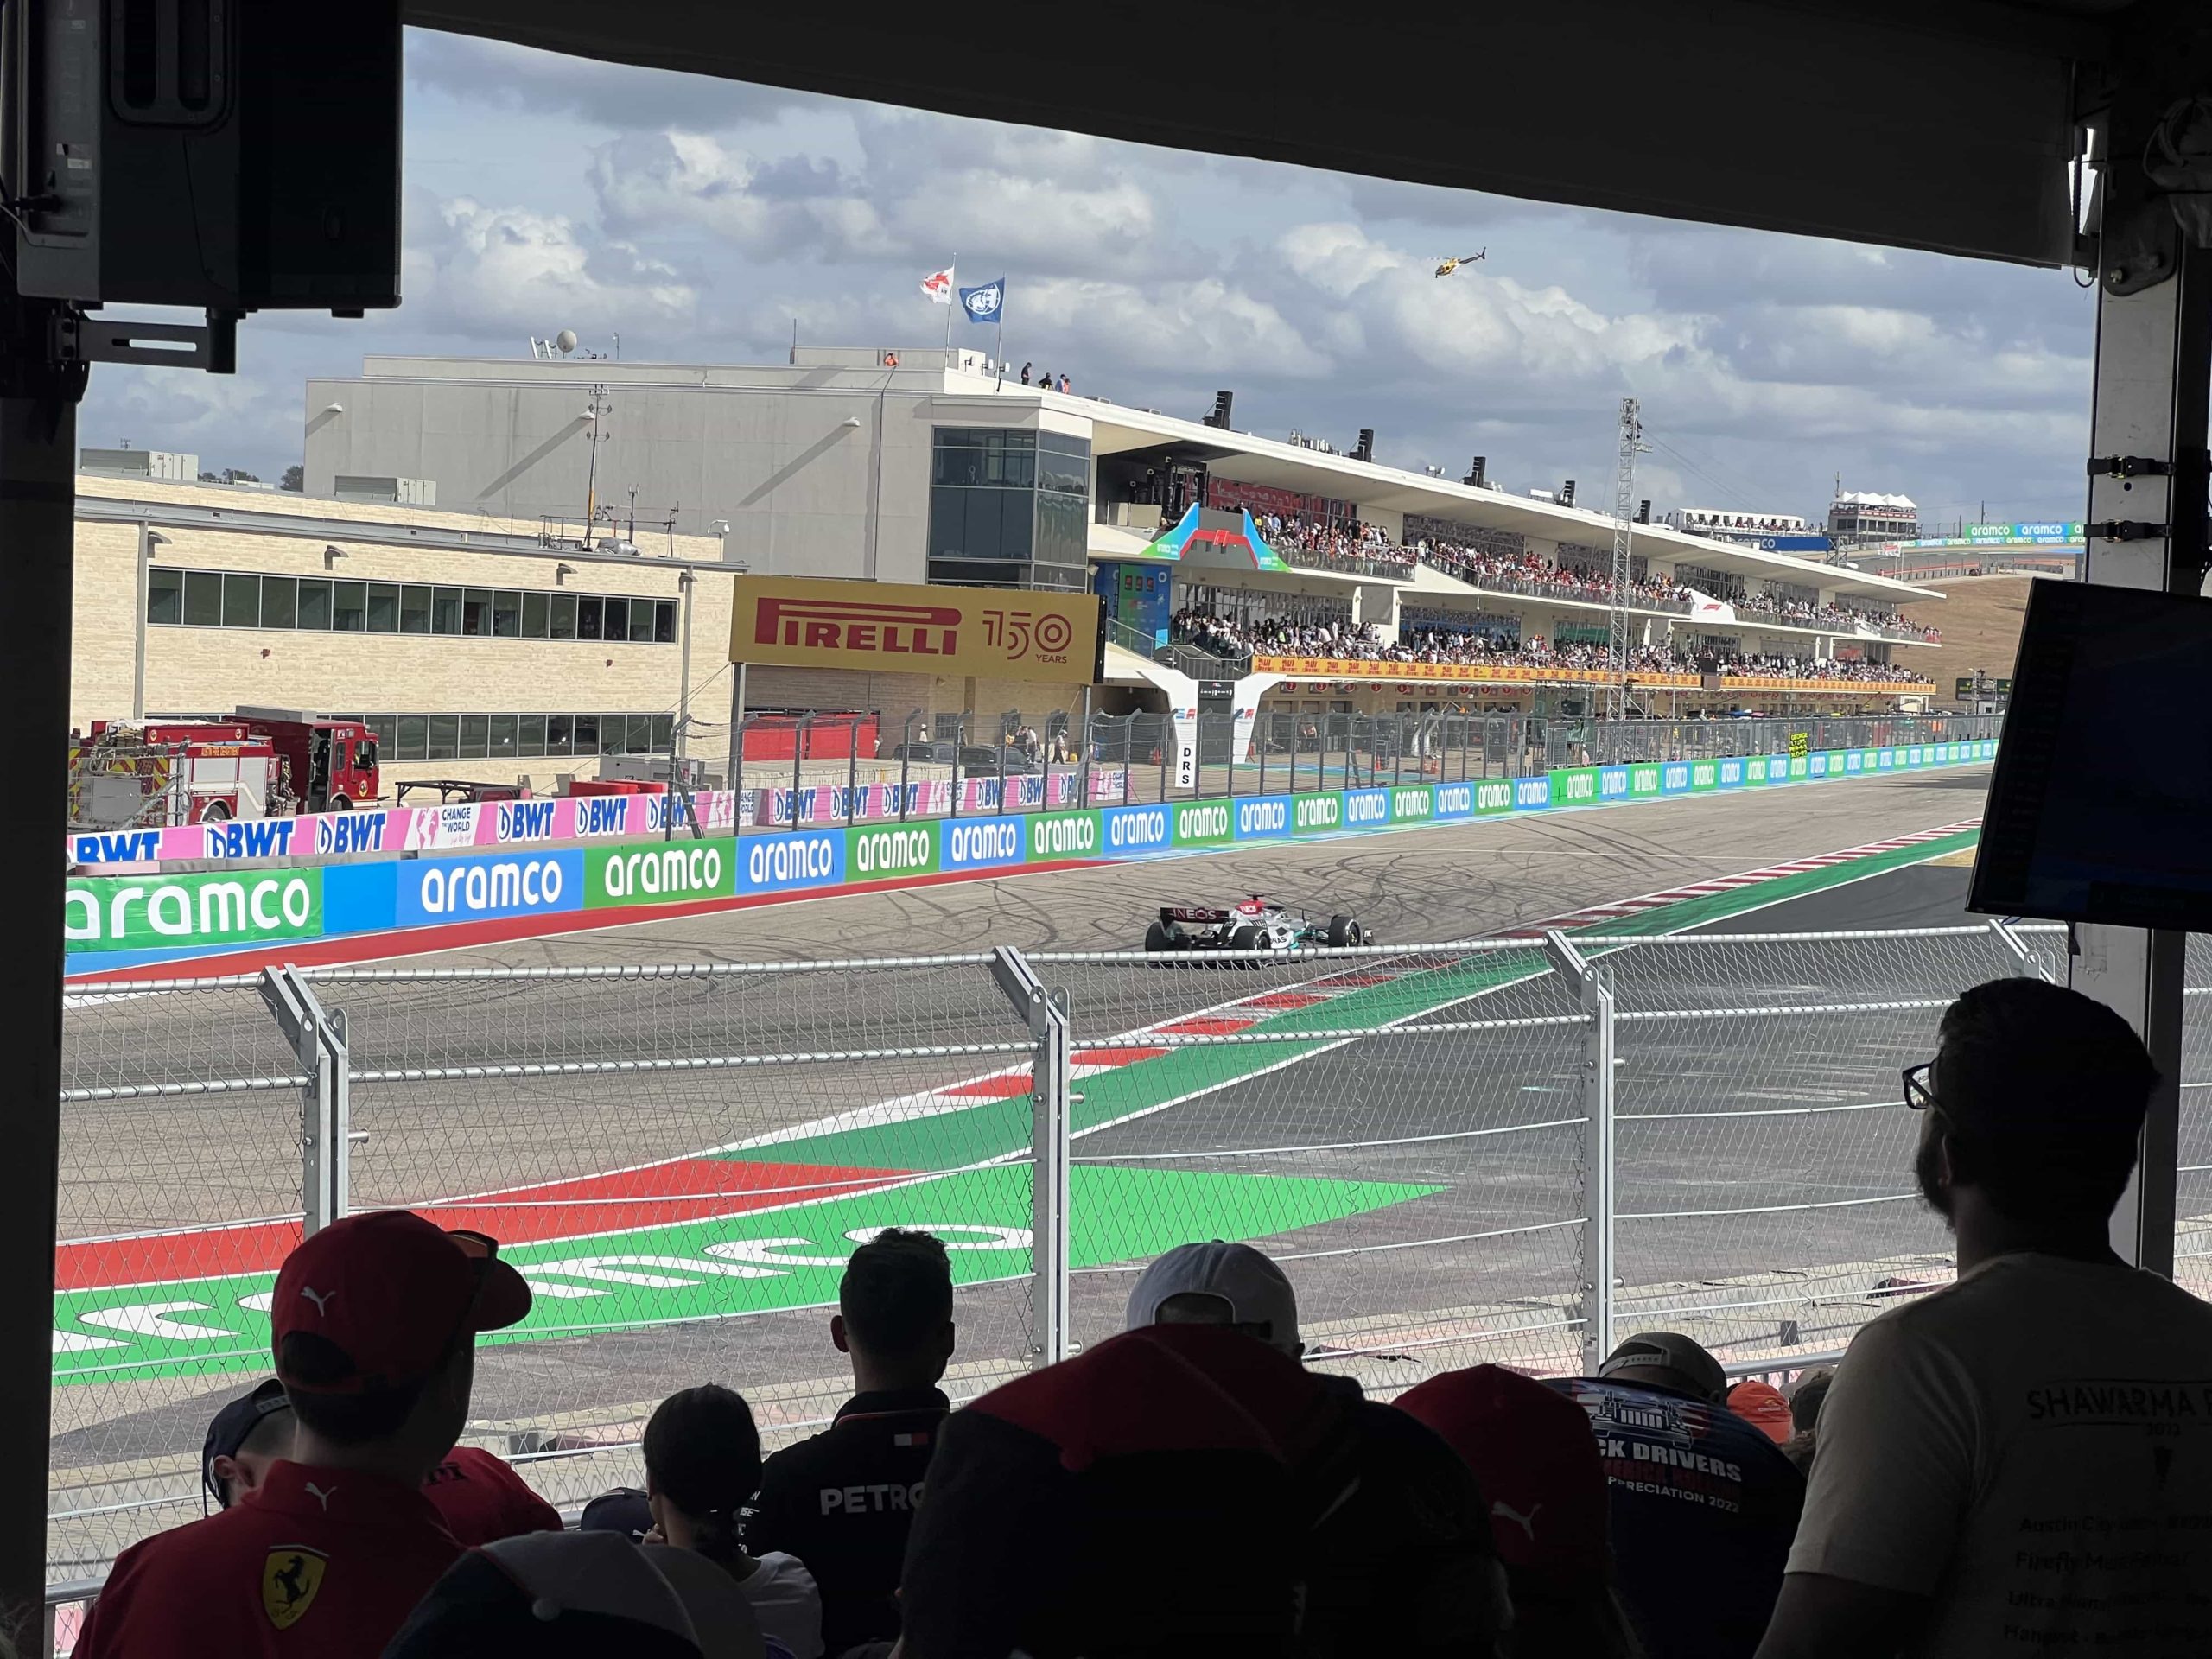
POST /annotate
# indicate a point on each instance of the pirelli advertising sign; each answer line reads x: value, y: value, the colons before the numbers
x: 999, y: 632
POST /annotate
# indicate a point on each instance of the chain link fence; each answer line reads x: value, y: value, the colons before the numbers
x: 1508, y: 1150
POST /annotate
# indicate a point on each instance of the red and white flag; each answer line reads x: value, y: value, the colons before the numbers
x: 938, y: 285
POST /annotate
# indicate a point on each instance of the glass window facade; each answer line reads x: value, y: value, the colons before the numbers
x: 217, y: 598
x: 1009, y: 509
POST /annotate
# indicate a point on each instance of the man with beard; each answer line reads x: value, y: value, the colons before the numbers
x: 2020, y: 1463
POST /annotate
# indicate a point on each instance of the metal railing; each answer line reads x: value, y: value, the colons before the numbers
x: 1506, y: 1149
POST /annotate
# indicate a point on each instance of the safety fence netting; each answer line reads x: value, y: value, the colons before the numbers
x: 1506, y: 1149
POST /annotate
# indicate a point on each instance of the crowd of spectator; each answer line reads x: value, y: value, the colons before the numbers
x: 1506, y: 567
x: 1236, y: 640
x: 1972, y: 1480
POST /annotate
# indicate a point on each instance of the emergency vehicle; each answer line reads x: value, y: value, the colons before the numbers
x: 259, y: 762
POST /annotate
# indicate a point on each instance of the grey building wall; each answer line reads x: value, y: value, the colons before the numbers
x: 821, y: 468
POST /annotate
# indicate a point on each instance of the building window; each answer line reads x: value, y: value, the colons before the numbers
x: 384, y: 607
x: 218, y: 599
x: 203, y: 599
x: 165, y: 596
x: 1009, y: 509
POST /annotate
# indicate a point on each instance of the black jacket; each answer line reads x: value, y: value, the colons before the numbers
x: 843, y: 1501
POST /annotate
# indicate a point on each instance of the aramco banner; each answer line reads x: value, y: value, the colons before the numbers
x: 880, y: 627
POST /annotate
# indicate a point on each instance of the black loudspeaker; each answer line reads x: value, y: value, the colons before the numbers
x: 1222, y: 402
x: 1364, y: 450
x: 1643, y: 510
x: 1566, y: 495
x: 1477, y: 472
x: 226, y: 155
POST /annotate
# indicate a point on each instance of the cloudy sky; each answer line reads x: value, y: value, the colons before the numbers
x: 699, y: 219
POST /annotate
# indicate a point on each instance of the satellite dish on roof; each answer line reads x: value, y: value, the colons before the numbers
x: 565, y: 341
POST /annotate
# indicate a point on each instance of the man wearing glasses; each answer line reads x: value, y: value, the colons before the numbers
x: 2022, y: 1463
x: 374, y: 1321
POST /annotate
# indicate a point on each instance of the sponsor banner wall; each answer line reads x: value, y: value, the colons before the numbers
x: 980, y: 843
x: 483, y: 886
x: 1317, y: 813
x: 1575, y: 786
x: 1366, y: 809
x: 1416, y: 804
x: 1055, y: 835
x: 1263, y: 817
x: 122, y: 921
x: 668, y: 873
x: 569, y: 817
x: 882, y: 854
x: 1455, y: 800
x: 240, y: 908
x: 1131, y: 830
x: 808, y: 858
x: 1203, y: 824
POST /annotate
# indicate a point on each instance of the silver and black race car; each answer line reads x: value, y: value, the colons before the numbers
x: 1255, y: 923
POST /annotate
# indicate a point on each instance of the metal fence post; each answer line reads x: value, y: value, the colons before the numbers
x: 1597, y: 999
x: 326, y: 1147
x: 1052, y: 1336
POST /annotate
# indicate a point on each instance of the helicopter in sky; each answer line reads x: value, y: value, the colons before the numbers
x: 1451, y: 265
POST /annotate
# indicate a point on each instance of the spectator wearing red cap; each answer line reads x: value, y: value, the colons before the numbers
x: 374, y: 1321
x: 1533, y: 1455
x: 1762, y: 1406
x: 480, y: 1497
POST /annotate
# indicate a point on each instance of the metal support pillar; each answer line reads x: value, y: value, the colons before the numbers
x: 1052, y: 1098
x: 2147, y: 531
x: 1597, y: 1276
x: 38, y: 459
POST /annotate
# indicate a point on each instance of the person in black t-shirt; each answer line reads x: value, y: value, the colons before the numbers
x: 1703, y: 1505
x: 843, y: 1501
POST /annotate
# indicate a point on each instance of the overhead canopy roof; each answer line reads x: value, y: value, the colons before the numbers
x: 1929, y: 123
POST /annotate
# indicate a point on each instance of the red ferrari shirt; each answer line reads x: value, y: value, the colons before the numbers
x: 326, y: 1563
x: 484, y: 1500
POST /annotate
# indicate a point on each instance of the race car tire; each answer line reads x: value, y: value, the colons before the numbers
x: 1343, y: 930
x: 1157, y: 939
x: 1248, y: 938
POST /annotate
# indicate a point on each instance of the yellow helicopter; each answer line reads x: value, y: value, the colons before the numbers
x: 1451, y: 265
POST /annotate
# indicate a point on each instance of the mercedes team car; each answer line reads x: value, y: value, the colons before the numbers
x: 1256, y: 923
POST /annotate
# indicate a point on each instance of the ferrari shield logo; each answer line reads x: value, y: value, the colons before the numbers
x: 289, y: 1577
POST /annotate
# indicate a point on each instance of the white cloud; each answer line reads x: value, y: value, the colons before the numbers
x: 494, y: 270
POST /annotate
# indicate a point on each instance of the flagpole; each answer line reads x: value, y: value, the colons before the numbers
x: 952, y: 274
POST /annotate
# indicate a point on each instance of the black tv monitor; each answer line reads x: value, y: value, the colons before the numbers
x: 2100, y: 805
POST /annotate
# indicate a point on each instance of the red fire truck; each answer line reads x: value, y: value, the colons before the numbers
x: 259, y: 762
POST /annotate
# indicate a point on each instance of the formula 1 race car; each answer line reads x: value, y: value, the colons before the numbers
x: 1256, y: 923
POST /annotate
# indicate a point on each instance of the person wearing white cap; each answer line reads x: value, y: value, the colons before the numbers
x: 1218, y: 1283
x: 1405, y: 1563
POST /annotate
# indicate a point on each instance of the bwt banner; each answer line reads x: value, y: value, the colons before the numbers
x: 121, y: 921
x: 569, y: 817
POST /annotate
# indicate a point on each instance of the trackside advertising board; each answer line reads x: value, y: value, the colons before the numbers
x: 882, y: 627
x: 130, y: 921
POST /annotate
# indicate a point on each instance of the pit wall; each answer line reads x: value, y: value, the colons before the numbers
x: 125, y: 922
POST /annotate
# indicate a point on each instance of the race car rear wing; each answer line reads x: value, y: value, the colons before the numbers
x: 1191, y: 913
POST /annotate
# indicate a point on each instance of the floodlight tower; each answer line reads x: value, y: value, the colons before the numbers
x: 1632, y: 444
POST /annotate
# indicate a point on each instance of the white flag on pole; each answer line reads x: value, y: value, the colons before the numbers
x: 938, y: 285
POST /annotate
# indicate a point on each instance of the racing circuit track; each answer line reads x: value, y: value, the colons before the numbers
x: 132, y: 1166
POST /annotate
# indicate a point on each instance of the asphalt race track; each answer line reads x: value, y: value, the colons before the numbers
x: 1466, y: 1226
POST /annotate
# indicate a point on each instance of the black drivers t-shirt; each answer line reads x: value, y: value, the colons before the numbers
x: 1703, y: 1507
